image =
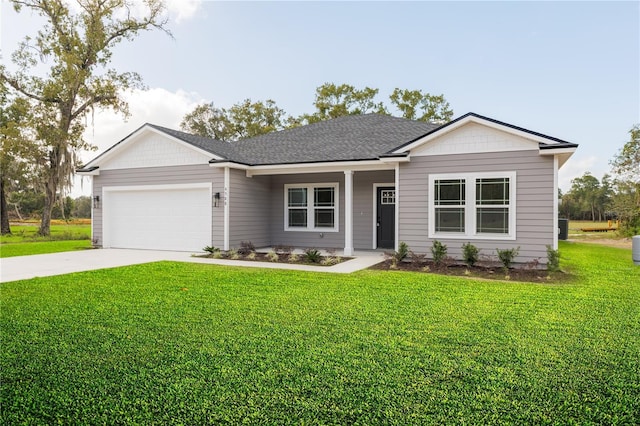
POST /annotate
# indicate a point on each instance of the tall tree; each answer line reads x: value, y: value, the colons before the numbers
x: 333, y: 101
x: 586, y: 191
x: 416, y: 105
x: 243, y: 120
x: 77, y: 46
x: 626, y: 199
x: 19, y: 153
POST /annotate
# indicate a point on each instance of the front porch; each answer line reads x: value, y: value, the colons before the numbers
x: 354, y: 210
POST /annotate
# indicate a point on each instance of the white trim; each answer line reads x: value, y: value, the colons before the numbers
x: 104, y: 200
x: 348, y: 212
x: 325, y: 167
x: 470, y: 206
x: 310, y: 208
x: 156, y: 187
x: 555, y: 203
x: 473, y: 119
x: 101, y: 159
x: 374, y: 244
x: 227, y: 191
x: 397, y: 213
x: 95, y: 172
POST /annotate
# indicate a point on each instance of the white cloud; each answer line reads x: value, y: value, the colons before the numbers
x: 177, y: 10
x: 155, y: 106
x: 182, y: 10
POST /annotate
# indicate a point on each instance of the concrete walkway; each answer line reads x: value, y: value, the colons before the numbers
x: 43, y: 265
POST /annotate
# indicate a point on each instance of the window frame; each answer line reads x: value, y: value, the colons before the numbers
x: 311, y: 208
x: 471, y: 206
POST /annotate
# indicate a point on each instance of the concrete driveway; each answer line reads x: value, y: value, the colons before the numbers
x: 44, y: 265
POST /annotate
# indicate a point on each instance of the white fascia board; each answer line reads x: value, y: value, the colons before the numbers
x: 230, y: 164
x: 478, y: 120
x: 341, y: 166
x: 395, y: 160
x: 95, y: 172
x: 562, y: 154
x: 118, y: 147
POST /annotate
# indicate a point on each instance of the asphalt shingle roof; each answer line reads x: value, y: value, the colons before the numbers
x: 351, y: 137
x: 347, y: 138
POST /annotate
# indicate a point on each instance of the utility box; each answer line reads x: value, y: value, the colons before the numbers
x: 635, y: 249
x: 563, y: 229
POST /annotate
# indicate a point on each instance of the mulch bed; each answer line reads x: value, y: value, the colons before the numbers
x: 492, y: 272
x: 281, y: 258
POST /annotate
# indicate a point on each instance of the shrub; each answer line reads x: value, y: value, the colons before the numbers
x: 329, y: 261
x: 470, y: 254
x: 506, y: 256
x: 293, y: 258
x: 402, y: 253
x: 210, y: 249
x: 312, y: 255
x: 246, y: 247
x: 272, y: 256
x: 553, y: 259
x: 439, y: 252
x: 251, y: 256
x: 233, y: 254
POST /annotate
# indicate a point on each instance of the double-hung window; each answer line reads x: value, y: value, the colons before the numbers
x: 311, y: 207
x: 466, y: 205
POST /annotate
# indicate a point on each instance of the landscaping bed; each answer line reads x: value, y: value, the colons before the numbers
x: 526, y: 273
x: 279, y: 254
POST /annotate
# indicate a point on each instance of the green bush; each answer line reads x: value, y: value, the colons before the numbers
x: 439, y: 252
x: 506, y: 256
x: 402, y: 253
x: 312, y: 255
x: 210, y: 249
x: 470, y: 254
x: 553, y: 259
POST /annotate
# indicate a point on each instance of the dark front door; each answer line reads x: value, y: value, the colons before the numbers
x: 386, y: 222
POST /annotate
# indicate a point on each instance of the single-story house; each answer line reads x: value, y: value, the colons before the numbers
x: 353, y: 182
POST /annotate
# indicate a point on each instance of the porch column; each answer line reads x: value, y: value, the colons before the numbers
x: 397, y: 206
x: 348, y: 212
x: 225, y: 244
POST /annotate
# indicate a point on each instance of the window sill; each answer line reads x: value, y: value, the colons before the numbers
x: 311, y: 230
x: 476, y: 237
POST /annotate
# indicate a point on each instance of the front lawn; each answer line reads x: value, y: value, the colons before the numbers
x: 194, y: 344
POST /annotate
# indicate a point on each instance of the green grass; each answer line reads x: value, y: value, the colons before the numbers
x: 25, y: 240
x: 195, y: 344
x: 25, y: 249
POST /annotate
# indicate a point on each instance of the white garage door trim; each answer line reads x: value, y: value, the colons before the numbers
x: 173, y: 237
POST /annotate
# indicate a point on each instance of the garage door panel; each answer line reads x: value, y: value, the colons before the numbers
x: 158, y: 218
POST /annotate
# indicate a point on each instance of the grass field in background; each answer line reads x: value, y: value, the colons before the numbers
x: 64, y: 237
x: 194, y: 344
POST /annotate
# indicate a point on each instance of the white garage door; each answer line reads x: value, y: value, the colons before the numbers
x: 166, y: 217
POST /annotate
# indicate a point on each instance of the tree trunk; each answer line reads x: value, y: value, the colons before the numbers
x: 49, y: 201
x: 6, y: 226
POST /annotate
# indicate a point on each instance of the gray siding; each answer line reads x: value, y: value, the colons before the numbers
x: 363, y: 199
x: 535, y: 222
x: 300, y: 238
x: 162, y: 176
x: 249, y: 213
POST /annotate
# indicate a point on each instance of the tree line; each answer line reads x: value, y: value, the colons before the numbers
x: 615, y: 196
x: 247, y: 119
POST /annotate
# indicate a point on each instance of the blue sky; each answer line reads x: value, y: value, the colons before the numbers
x: 566, y: 69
